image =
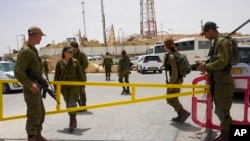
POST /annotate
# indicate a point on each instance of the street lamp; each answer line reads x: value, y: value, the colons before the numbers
x: 17, y: 40
x: 170, y: 29
x: 122, y: 38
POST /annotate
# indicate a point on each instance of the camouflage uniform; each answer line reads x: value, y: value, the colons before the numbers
x: 123, y: 72
x: 28, y: 59
x: 83, y: 60
x: 223, y: 81
x: 175, y: 78
x: 107, y: 64
x: 69, y: 92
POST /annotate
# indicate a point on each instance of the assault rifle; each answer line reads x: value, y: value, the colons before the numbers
x: 43, y: 85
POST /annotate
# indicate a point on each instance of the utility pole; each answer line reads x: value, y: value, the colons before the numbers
x: 103, y: 25
x: 84, y: 25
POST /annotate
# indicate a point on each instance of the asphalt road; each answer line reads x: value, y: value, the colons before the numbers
x: 141, y: 121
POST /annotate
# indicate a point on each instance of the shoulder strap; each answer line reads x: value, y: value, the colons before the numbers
x: 67, y: 70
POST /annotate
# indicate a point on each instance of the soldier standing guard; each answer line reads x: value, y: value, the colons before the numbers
x: 83, y: 60
x: 124, y: 70
x: 107, y: 64
x: 223, y: 82
x: 28, y: 59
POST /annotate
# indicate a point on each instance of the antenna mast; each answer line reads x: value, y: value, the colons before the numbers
x: 103, y: 24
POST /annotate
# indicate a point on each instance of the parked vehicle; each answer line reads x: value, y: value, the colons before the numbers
x: 149, y: 63
x: 7, y: 72
x: 135, y: 61
x: 94, y: 57
x: 242, y: 69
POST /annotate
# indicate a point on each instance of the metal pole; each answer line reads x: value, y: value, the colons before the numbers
x: 17, y: 43
x: 84, y: 25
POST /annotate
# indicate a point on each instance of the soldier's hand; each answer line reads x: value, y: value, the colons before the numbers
x: 201, y: 67
x: 34, y: 88
x: 83, y: 89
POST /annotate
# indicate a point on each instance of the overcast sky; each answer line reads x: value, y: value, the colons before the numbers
x: 61, y: 19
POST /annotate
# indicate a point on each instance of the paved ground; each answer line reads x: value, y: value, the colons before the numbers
x: 140, y: 121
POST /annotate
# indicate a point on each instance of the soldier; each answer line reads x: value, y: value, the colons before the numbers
x: 28, y: 59
x: 45, y: 66
x: 175, y: 78
x: 83, y: 60
x: 69, y: 69
x: 223, y: 81
x: 124, y: 70
x: 107, y: 64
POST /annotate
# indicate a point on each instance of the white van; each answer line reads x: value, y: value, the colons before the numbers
x: 242, y: 69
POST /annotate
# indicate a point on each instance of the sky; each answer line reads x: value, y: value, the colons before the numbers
x: 61, y: 19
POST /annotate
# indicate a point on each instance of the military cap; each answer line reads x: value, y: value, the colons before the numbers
x: 208, y: 25
x: 35, y: 29
x: 68, y: 48
x: 74, y: 44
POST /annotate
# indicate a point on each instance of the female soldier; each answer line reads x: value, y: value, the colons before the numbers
x: 69, y: 69
x: 175, y: 78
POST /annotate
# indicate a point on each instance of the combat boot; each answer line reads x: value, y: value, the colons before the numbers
x: 224, y: 136
x: 123, y: 91
x: 72, y: 123
x: 128, y: 91
x: 182, y: 116
x: 39, y: 137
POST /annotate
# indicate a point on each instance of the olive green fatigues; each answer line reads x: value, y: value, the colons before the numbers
x: 124, y: 69
x: 69, y: 92
x: 83, y: 60
x: 174, y: 79
x: 224, y: 83
x: 107, y: 64
x: 28, y: 59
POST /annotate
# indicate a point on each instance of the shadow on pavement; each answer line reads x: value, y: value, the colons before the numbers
x: 77, y: 131
x: 185, y: 127
x: 84, y: 113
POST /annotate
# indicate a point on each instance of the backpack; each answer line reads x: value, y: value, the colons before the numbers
x: 182, y: 62
x: 234, y: 55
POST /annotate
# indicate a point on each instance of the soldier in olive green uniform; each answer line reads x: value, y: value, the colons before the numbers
x: 175, y: 78
x: 124, y: 70
x: 220, y: 69
x: 107, y: 64
x: 69, y: 69
x: 83, y: 60
x: 28, y: 59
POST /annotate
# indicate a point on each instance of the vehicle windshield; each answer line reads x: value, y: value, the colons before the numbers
x: 7, y: 66
x: 244, y: 55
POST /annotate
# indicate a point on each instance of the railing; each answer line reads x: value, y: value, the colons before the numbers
x: 208, y: 122
x: 199, y: 89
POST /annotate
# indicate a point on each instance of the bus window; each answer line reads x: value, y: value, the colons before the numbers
x: 182, y: 46
x: 150, y: 51
x: 244, y: 55
x: 204, y: 44
x: 159, y: 49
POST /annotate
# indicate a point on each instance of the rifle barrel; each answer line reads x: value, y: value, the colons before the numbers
x: 246, y: 22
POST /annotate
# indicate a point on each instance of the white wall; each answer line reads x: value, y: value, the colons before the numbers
x: 138, y: 49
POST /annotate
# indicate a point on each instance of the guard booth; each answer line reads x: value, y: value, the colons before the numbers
x: 241, y: 75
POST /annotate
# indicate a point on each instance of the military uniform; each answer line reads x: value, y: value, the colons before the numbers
x: 123, y: 72
x: 175, y: 78
x: 69, y: 92
x: 223, y: 81
x: 107, y: 64
x: 83, y: 60
x: 28, y: 59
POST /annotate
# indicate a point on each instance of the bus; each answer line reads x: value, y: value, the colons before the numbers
x: 196, y: 49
